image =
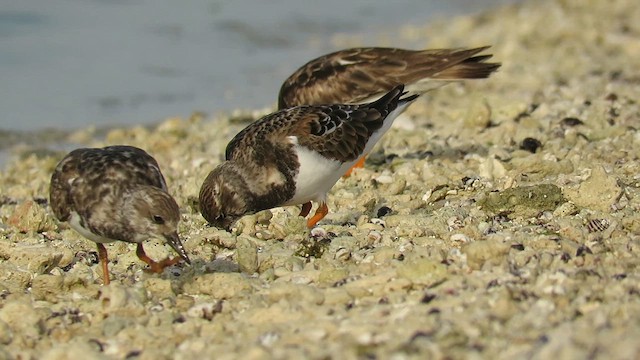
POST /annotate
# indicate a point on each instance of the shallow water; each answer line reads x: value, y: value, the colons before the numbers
x: 106, y: 63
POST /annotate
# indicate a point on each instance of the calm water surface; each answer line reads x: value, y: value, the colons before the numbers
x: 67, y: 64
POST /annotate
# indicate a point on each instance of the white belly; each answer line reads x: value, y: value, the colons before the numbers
x: 316, y: 176
x: 74, y: 222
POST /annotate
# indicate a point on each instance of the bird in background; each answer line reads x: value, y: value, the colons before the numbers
x: 362, y: 75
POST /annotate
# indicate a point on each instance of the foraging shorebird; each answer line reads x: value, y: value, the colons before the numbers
x: 295, y: 156
x: 116, y: 193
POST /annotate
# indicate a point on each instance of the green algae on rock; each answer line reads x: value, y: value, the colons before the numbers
x: 523, y: 201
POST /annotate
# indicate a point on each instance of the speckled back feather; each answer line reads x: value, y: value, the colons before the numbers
x: 90, y: 180
x: 336, y: 131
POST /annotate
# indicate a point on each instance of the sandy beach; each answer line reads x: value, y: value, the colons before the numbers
x: 497, y: 219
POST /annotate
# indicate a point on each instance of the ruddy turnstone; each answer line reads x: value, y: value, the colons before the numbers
x: 294, y: 156
x: 116, y: 193
x: 361, y: 75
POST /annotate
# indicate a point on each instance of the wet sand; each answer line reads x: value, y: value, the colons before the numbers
x: 498, y: 219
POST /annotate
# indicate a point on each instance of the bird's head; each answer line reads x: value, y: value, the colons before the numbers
x: 153, y: 213
x: 223, y: 196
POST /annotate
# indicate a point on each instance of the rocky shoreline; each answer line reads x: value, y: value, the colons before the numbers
x: 498, y: 219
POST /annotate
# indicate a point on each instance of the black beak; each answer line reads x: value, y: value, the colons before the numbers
x: 174, y: 241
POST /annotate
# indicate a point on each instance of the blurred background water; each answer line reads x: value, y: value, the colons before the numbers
x: 68, y: 64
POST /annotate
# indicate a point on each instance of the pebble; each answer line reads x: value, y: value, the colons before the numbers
x: 530, y: 144
x: 205, y: 311
x: 23, y: 319
x: 218, y: 285
x: 159, y: 288
x: 6, y: 335
x: 422, y: 272
x: 47, y: 287
x: 598, y: 192
x: 383, y: 211
x: 36, y: 258
x: 75, y: 349
x: 247, y: 255
x: 293, y: 293
x: 524, y: 201
x: 397, y: 187
x: 478, y: 115
x: 123, y: 302
x: 13, y: 279
x: 31, y: 217
x: 480, y: 253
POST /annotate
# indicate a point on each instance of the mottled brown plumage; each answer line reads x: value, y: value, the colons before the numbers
x: 116, y: 193
x: 358, y: 75
x: 361, y: 75
x: 294, y: 156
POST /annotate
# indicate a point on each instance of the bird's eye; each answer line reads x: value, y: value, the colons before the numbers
x: 158, y: 219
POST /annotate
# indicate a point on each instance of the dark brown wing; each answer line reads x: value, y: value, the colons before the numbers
x: 336, y: 131
x: 353, y: 75
x: 86, y: 176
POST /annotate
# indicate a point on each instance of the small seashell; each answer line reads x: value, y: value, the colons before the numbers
x: 459, y: 238
x: 374, y: 236
x: 595, y: 225
x: 454, y: 223
x: 318, y: 232
x: 348, y: 279
x: 470, y: 183
x: 343, y: 254
x: 384, y: 179
x: 264, y: 234
x: 205, y: 310
x: 269, y: 338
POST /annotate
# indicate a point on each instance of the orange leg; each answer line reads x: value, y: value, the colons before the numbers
x: 104, y: 260
x: 359, y: 164
x: 156, y: 267
x: 322, y: 211
x: 306, y: 207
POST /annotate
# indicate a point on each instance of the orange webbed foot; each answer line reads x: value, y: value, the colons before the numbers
x: 322, y: 211
x: 155, y: 266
